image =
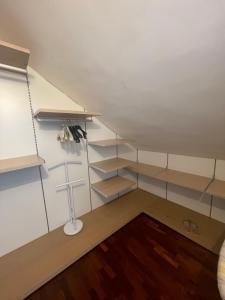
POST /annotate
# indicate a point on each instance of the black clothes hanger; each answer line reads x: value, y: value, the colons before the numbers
x: 78, y: 128
x: 77, y: 133
x: 74, y: 133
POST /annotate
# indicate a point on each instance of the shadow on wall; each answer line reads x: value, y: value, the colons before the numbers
x: 125, y: 149
x: 13, y: 75
x: 14, y: 179
x: 182, y: 196
x: 104, y: 200
x: 148, y: 180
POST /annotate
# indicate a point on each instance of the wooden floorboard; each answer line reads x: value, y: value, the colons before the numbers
x: 32, y: 265
x: 143, y: 260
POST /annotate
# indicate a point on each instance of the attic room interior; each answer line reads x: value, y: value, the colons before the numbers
x: 112, y: 150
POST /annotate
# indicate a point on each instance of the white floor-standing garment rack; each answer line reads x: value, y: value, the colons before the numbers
x: 74, y: 225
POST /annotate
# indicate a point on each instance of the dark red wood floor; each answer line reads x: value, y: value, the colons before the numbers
x: 143, y: 260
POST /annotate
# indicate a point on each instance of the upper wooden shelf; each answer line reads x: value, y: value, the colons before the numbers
x: 217, y: 188
x: 108, y: 143
x: 186, y: 180
x: 14, y: 56
x: 110, y: 165
x: 145, y: 169
x: 18, y: 163
x: 59, y: 114
x: 112, y: 186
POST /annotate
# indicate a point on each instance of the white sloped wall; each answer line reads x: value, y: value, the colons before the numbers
x: 154, y: 69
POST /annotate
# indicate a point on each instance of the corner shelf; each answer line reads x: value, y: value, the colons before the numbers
x: 145, y: 169
x: 14, y: 56
x: 108, y: 143
x: 112, y: 186
x: 217, y: 188
x: 186, y: 180
x: 58, y: 114
x: 110, y: 165
x: 19, y: 163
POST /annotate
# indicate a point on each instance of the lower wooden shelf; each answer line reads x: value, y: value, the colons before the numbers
x: 110, y: 165
x: 112, y: 186
x: 186, y: 180
x: 146, y: 170
x: 18, y: 163
x: 217, y: 188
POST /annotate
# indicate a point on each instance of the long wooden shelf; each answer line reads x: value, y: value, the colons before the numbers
x: 186, y: 180
x: 145, y: 169
x: 110, y: 165
x: 59, y: 114
x: 18, y: 163
x: 14, y: 56
x: 217, y: 188
x: 108, y: 143
x: 112, y: 186
x: 32, y: 265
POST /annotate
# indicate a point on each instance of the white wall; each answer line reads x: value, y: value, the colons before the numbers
x: 44, y: 95
x: 149, y: 184
x: 22, y: 209
x: 128, y: 152
x: 22, y: 213
x: 185, y: 197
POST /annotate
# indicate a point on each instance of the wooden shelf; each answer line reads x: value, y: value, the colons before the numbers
x: 14, y: 56
x: 217, y: 188
x: 110, y: 165
x: 63, y: 114
x: 145, y: 169
x: 186, y: 180
x: 108, y: 143
x: 18, y: 163
x: 34, y: 264
x: 112, y: 186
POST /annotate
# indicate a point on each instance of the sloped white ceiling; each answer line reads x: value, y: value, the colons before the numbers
x: 155, y: 69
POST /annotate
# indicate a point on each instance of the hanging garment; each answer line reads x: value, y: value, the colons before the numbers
x: 65, y: 135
